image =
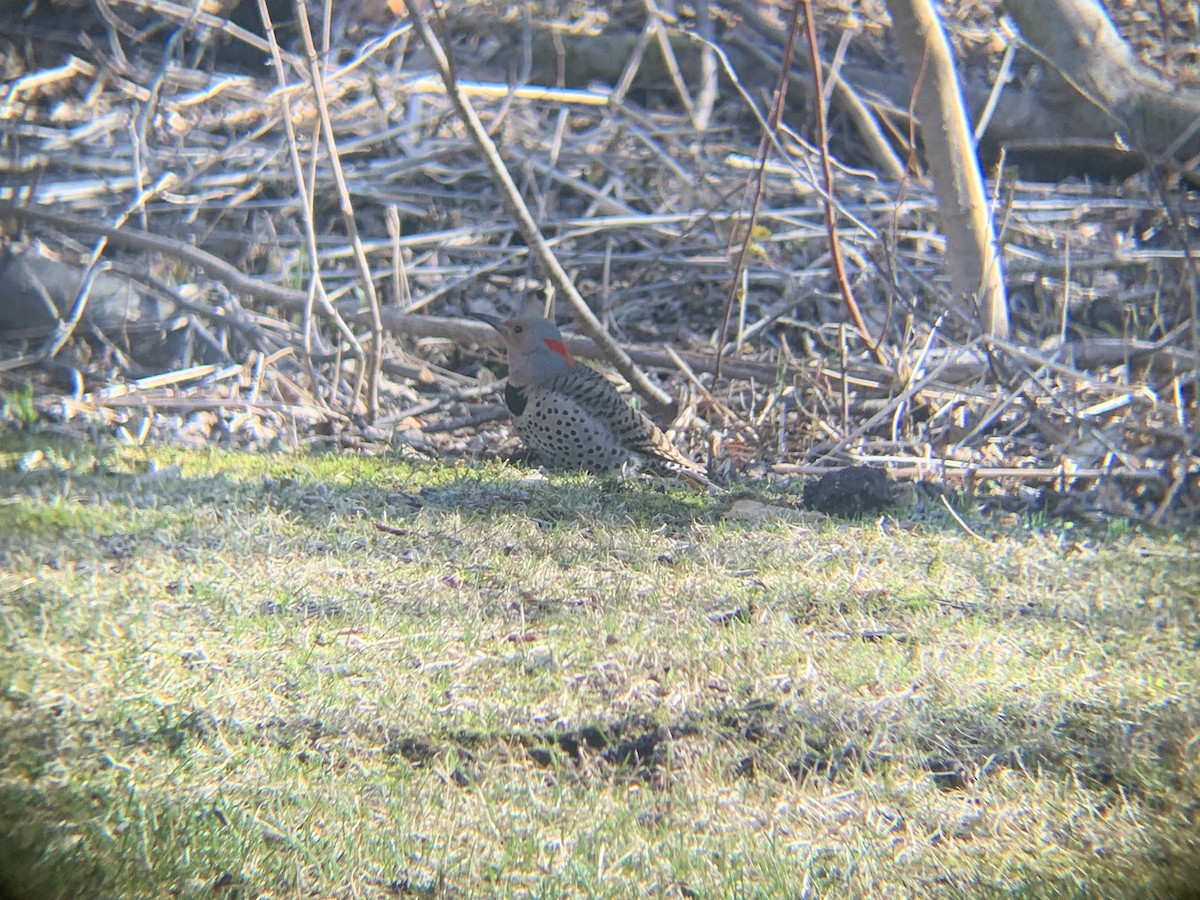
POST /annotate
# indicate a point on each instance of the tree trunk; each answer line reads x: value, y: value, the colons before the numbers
x: 1098, y: 86
x: 976, y: 272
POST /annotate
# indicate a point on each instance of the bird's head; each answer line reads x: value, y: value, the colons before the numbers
x: 536, y: 351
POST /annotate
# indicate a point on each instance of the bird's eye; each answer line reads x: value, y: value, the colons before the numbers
x: 517, y: 329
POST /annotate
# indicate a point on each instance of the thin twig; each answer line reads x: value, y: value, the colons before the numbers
x: 655, y: 21
x: 374, y: 359
x: 959, y: 519
x: 707, y: 98
x: 835, y: 245
x: 316, y: 287
x: 764, y: 145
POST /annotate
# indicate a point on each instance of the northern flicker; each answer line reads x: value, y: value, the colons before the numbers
x: 570, y: 415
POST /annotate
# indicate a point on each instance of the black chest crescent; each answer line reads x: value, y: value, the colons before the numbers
x: 514, y: 399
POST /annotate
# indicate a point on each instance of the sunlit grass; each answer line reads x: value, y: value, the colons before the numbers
x: 332, y: 675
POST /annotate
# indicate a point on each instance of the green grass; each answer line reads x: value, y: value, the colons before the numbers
x: 337, y: 676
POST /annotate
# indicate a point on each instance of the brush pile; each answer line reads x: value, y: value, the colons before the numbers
x: 210, y: 235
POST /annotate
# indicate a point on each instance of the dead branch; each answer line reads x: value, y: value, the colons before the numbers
x: 831, y: 225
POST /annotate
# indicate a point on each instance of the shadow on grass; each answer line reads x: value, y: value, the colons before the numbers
x: 311, y: 487
x: 41, y: 841
x: 789, y: 744
x: 39, y: 858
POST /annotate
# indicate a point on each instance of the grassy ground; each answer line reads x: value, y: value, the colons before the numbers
x: 328, y: 676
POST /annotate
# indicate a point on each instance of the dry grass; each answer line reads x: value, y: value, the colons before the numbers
x: 221, y: 678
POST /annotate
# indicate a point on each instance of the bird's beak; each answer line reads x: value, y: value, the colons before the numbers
x: 494, y: 321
